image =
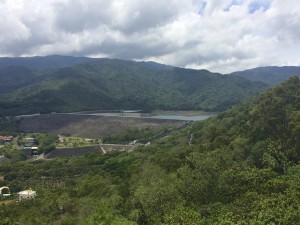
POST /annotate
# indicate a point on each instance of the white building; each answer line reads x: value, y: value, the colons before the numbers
x: 4, y: 191
x: 27, y: 194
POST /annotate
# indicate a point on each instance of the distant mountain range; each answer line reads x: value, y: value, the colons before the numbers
x: 43, y: 62
x: 271, y: 75
x: 66, y: 84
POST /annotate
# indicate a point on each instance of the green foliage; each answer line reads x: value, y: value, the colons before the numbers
x: 46, y: 142
x: 155, y: 193
x: 130, y: 135
x: 12, y: 152
x: 8, y: 126
x: 116, y: 84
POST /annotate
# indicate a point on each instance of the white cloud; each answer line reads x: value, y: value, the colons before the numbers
x: 219, y: 35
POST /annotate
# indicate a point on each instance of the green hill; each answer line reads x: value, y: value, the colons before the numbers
x: 119, y: 84
x: 271, y: 75
x: 240, y: 167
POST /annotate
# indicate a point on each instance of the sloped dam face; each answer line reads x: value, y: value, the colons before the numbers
x: 89, y: 126
x: 166, y: 115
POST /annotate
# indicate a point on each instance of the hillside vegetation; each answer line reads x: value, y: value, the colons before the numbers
x: 118, y: 84
x: 240, y: 167
x: 43, y: 62
x: 271, y: 75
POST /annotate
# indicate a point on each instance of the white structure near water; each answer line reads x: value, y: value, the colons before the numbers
x: 27, y: 194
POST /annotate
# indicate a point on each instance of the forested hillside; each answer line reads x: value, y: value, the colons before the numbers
x: 43, y: 62
x: 271, y: 75
x: 118, y: 84
x: 240, y: 167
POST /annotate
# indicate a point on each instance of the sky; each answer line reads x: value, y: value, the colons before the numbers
x: 217, y: 35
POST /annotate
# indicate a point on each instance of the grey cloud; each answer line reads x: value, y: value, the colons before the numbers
x: 148, y: 15
x: 168, y: 31
x: 129, y: 50
x: 76, y: 16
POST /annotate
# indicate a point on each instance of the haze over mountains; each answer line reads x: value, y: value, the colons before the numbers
x: 66, y: 84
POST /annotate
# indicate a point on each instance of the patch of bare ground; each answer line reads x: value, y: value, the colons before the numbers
x: 90, y: 126
x: 7, y: 202
x: 77, y: 152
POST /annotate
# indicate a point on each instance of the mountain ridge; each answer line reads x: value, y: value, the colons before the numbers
x: 120, y: 84
x: 271, y: 75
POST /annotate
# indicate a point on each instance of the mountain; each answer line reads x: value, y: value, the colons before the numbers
x: 43, y: 62
x: 271, y: 75
x: 13, y: 78
x: 119, y: 84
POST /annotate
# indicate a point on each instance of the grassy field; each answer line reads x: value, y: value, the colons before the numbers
x: 73, y: 142
x: 94, y: 127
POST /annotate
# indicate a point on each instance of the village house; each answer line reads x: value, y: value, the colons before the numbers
x: 30, y: 141
x: 6, y: 139
x: 34, y: 151
x: 26, y: 194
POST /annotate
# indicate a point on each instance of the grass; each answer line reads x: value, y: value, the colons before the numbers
x: 75, y: 142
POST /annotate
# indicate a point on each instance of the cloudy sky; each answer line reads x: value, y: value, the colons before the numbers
x: 218, y: 35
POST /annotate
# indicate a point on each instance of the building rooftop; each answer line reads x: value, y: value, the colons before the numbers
x: 6, y: 137
x: 27, y: 192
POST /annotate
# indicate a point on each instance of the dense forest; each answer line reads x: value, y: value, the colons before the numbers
x: 240, y: 167
x: 107, y: 84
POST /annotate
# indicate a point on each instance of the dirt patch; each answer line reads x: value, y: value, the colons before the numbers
x: 7, y: 202
x: 90, y: 126
x: 83, y: 151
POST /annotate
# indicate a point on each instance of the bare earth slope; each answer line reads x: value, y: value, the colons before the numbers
x: 90, y: 126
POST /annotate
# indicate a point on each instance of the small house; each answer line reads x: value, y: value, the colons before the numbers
x: 30, y: 141
x: 27, y: 194
x: 34, y: 151
x: 6, y: 139
x: 4, y: 191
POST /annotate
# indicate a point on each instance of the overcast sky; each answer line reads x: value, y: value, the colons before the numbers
x: 218, y: 35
